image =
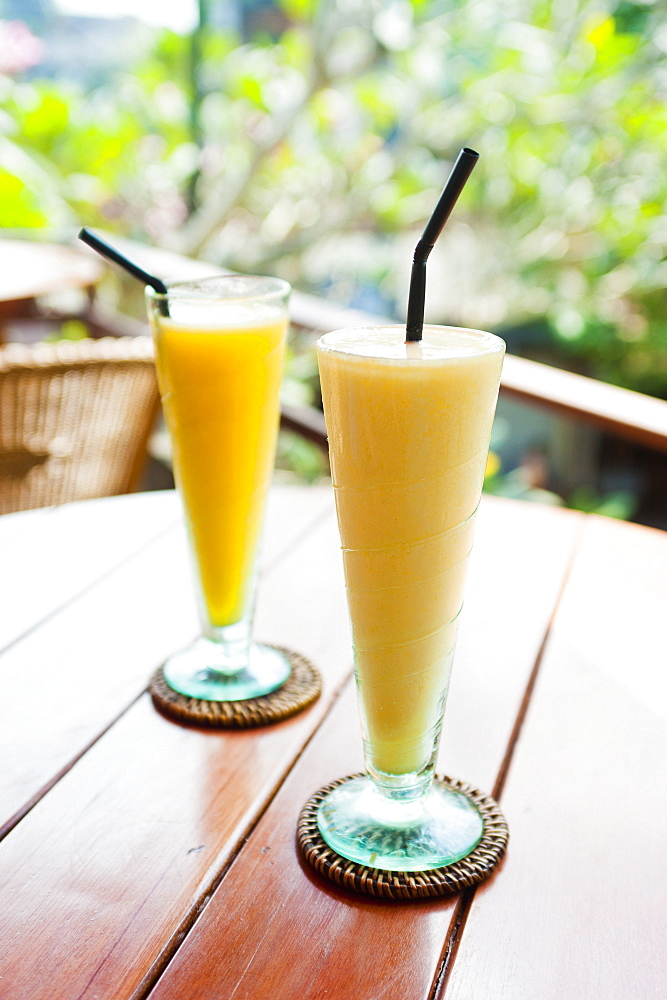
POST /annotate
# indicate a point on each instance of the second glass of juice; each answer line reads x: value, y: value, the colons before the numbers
x: 409, y: 427
x: 220, y: 348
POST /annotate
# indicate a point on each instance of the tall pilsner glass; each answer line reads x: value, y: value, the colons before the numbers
x: 409, y: 427
x: 220, y: 347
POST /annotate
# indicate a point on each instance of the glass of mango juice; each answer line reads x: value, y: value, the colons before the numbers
x: 409, y: 427
x: 220, y: 348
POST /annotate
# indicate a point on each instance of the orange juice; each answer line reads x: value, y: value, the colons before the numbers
x: 409, y: 428
x: 219, y: 376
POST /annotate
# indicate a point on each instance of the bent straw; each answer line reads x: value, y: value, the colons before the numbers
x: 110, y: 253
x: 461, y: 171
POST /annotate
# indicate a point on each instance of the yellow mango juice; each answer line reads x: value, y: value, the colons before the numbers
x: 409, y: 428
x: 219, y: 376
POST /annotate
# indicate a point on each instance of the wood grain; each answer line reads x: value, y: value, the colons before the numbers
x: 122, y: 853
x: 67, y: 680
x: 275, y: 928
x: 579, y: 908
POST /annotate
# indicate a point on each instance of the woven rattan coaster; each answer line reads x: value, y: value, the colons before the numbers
x: 380, y: 883
x: 301, y: 688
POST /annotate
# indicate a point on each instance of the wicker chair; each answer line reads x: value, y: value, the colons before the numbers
x: 75, y: 418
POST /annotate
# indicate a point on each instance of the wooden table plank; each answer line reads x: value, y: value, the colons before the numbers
x: 579, y: 908
x: 68, y: 680
x: 57, y: 552
x: 123, y: 851
x: 107, y: 640
x: 275, y: 928
x: 522, y: 554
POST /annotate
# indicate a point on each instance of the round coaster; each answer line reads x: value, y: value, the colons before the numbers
x: 383, y: 884
x: 301, y: 688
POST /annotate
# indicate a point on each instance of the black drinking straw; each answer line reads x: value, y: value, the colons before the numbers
x: 110, y: 253
x: 461, y: 171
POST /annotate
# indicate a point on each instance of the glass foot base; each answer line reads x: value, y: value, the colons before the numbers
x: 365, y: 826
x: 199, y: 672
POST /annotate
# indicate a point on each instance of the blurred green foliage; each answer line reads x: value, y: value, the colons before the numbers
x: 316, y: 150
x: 519, y: 484
x: 621, y: 504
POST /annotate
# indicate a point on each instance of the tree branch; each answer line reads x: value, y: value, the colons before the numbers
x: 228, y: 192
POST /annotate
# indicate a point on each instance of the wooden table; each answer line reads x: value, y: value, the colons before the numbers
x: 145, y: 859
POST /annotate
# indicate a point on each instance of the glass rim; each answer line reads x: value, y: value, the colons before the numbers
x: 266, y: 287
x: 492, y: 343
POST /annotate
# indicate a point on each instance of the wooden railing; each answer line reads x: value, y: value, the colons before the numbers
x: 629, y: 415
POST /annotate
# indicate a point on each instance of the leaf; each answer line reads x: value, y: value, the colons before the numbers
x: 49, y: 119
x: 600, y: 32
x: 19, y: 207
x: 300, y: 10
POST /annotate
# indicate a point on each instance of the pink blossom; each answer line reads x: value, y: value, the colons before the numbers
x: 19, y: 48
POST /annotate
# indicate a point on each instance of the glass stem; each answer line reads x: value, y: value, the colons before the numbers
x: 231, y: 645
